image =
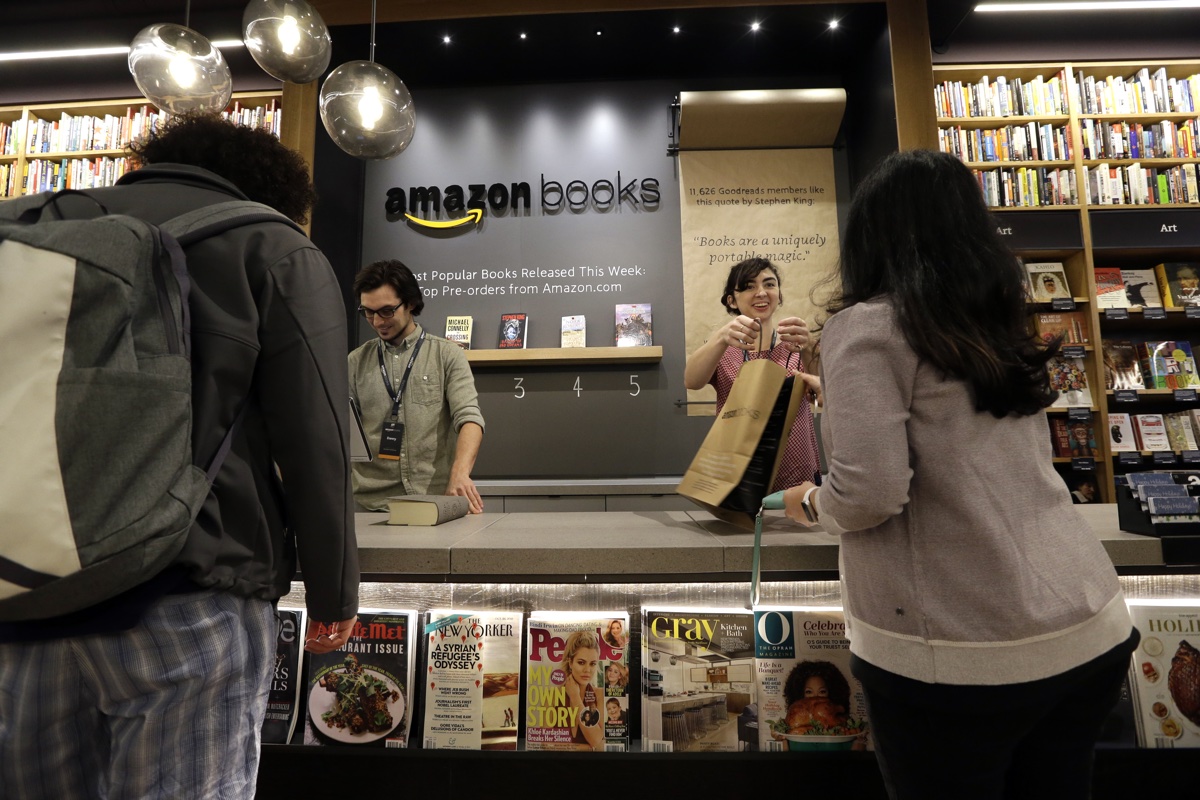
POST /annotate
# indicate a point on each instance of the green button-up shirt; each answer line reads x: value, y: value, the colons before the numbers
x: 439, y: 399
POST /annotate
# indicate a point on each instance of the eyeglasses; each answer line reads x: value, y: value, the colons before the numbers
x: 387, y: 312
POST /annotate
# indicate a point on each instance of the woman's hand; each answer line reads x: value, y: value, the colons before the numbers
x: 574, y: 694
x: 813, y: 383
x: 741, y: 332
x: 791, y: 503
x: 794, y: 333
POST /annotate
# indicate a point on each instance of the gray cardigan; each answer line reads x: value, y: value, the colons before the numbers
x: 963, y: 560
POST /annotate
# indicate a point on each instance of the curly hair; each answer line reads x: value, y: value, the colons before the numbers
x: 835, y: 682
x: 265, y: 169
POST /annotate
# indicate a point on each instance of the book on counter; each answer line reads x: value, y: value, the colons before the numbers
x: 698, y: 689
x: 1110, y: 288
x: 1047, y: 281
x: 458, y: 330
x: 575, y: 699
x: 514, y: 329
x: 634, y: 325
x: 425, y: 509
x: 807, y: 697
x: 473, y: 678
x: 1068, y: 377
x: 283, y: 700
x: 1071, y: 325
x: 1179, y: 283
x: 1122, y: 365
x: 1164, y: 673
x: 1168, y: 365
x: 1141, y: 288
x: 574, y: 331
x: 1121, y: 436
x: 362, y: 694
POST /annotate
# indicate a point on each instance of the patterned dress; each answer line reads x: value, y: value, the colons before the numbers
x: 800, y: 462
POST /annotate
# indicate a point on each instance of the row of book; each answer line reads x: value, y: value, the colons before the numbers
x: 1141, y: 93
x: 41, y: 175
x: 634, y: 328
x: 267, y: 117
x: 1174, y: 431
x: 1028, y: 187
x: 1120, y: 139
x: 1028, y: 142
x: 8, y: 180
x: 1150, y: 364
x: 711, y: 680
x: 1002, y: 97
x: 1134, y: 184
x: 8, y: 139
x: 1170, y: 284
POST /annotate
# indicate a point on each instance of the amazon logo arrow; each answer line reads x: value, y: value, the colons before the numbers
x: 474, y: 215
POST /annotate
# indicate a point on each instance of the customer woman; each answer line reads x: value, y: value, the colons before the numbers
x: 751, y: 297
x: 986, y: 623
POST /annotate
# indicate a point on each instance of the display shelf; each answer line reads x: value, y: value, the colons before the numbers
x: 557, y: 356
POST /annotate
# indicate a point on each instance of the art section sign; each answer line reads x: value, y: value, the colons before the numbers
x: 779, y: 205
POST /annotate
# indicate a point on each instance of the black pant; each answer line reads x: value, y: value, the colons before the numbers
x: 1027, y: 741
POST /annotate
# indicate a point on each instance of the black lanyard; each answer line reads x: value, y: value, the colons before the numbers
x: 387, y: 381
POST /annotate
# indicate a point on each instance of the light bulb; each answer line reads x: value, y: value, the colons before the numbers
x: 369, y: 108
x: 287, y: 38
x: 182, y: 71
x: 289, y: 34
x: 179, y: 70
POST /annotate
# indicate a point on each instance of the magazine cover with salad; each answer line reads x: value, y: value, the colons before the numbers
x: 283, y: 701
x: 575, y: 699
x: 807, y: 698
x: 472, y: 680
x: 362, y: 694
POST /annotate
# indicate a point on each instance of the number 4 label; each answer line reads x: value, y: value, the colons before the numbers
x: 578, y: 387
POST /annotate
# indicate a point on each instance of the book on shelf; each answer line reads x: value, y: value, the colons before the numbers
x: 1110, y: 288
x: 1122, y: 364
x: 283, y: 699
x: 807, y: 697
x: 1179, y: 283
x: 1047, y: 281
x: 1141, y: 288
x: 473, y: 679
x: 1164, y: 673
x: 514, y: 330
x: 362, y: 694
x: 1168, y: 365
x: 574, y: 331
x: 698, y: 686
x: 634, y: 326
x: 1060, y: 437
x: 570, y: 659
x: 1151, y: 432
x: 1121, y: 436
x: 1081, y: 438
x: 1180, y: 431
x: 1168, y: 510
x: 426, y: 509
x: 1068, y: 378
x: 458, y: 330
x: 1071, y: 325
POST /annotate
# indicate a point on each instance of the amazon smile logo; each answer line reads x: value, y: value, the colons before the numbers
x: 423, y: 206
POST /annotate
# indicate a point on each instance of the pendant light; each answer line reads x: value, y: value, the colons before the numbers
x: 366, y: 109
x: 287, y: 38
x: 179, y: 70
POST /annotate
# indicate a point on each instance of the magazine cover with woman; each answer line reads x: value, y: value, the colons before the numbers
x: 576, y: 680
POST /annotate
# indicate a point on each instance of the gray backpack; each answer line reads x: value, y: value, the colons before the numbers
x: 98, y: 483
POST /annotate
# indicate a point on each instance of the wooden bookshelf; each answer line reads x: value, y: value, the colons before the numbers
x: 558, y: 356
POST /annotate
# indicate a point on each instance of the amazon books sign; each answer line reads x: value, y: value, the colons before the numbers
x: 451, y: 206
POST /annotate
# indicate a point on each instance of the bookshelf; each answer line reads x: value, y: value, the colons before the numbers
x: 1136, y: 124
x: 82, y: 145
x: 559, y: 356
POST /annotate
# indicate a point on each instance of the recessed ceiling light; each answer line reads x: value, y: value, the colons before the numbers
x: 599, y: 31
x: 523, y: 36
x: 833, y: 23
x: 754, y: 26
x: 675, y: 29
x: 1089, y: 5
x: 445, y: 40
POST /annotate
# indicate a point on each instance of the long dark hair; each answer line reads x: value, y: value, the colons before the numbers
x: 919, y: 233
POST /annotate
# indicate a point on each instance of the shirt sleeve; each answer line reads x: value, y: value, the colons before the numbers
x: 303, y: 388
x: 867, y: 373
x: 461, y: 395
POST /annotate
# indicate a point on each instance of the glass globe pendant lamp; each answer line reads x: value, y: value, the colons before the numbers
x: 179, y: 70
x: 366, y: 109
x: 287, y: 38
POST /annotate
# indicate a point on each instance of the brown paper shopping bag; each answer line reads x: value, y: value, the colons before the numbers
x: 736, y: 465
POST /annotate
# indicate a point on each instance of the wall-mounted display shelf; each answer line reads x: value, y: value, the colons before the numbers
x: 554, y: 356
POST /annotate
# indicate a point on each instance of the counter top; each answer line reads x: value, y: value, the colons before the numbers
x: 625, y: 545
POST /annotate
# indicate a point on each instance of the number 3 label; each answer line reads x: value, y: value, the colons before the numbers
x: 519, y: 386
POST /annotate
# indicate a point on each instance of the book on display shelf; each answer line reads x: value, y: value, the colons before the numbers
x: 1060, y: 437
x: 473, y: 680
x: 1071, y: 325
x: 1164, y: 673
x: 362, y: 694
x: 1122, y: 364
x: 458, y: 330
x: 574, y: 698
x: 1179, y: 283
x: 425, y: 509
x: 698, y: 689
x: 634, y: 325
x: 1141, y: 288
x: 283, y: 700
x: 1081, y: 438
x: 1110, y: 288
x: 807, y: 697
x: 574, y: 331
x: 1047, y: 281
x: 1151, y: 432
x: 1168, y: 365
x: 1121, y: 436
x: 1068, y: 378
x: 514, y: 330
x: 1179, y: 430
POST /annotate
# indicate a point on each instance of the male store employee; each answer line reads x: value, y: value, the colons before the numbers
x: 416, y: 395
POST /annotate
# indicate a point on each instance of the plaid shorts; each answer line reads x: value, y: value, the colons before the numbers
x: 169, y: 709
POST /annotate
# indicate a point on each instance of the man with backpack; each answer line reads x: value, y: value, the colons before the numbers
x: 160, y: 690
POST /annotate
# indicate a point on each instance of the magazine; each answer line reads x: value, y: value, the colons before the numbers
x: 473, y: 675
x: 577, y: 682
x: 698, y: 680
x: 1165, y: 673
x: 283, y: 701
x: 807, y: 698
x: 362, y: 694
